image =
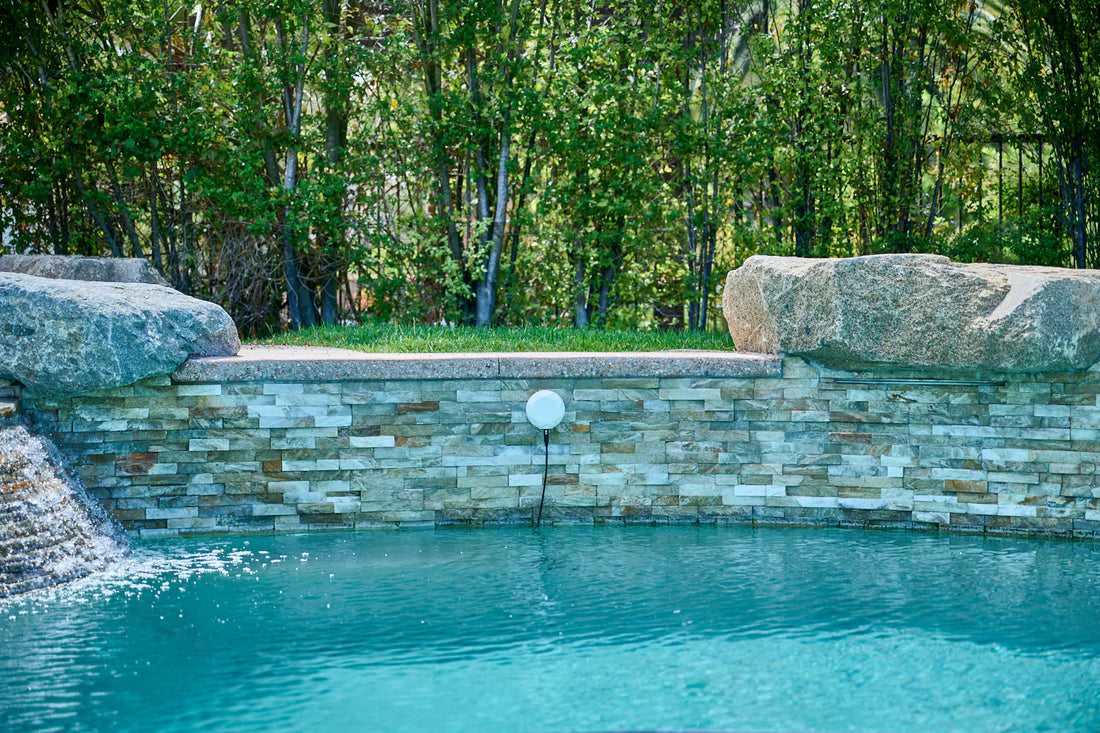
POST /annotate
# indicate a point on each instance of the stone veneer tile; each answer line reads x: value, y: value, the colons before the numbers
x: 369, y: 442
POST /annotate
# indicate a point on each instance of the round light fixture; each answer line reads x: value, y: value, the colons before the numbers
x: 545, y: 409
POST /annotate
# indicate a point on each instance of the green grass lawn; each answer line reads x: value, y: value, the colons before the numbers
x: 384, y: 338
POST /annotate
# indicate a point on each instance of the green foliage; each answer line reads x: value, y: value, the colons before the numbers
x: 1030, y: 240
x: 526, y: 162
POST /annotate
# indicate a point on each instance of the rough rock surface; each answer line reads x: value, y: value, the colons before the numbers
x: 916, y: 310
x: 69, y: 337
x: 319, y: 364
x: 96, y: 269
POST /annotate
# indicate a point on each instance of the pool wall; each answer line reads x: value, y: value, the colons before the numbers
x: 8, y: 402
x: 256, y: 443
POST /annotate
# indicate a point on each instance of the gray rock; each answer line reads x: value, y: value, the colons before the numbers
x: 916, y: 310
x: 70, y: 337
x: 96, y: 269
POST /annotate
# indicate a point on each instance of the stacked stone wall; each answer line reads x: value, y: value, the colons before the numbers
x: 7, y: 390
x: 975, y: 453
x: 9, y: 402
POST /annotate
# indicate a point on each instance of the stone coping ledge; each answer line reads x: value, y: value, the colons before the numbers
x: 321, y: 364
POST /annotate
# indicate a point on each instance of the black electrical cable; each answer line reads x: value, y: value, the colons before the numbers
x: 545, y: 473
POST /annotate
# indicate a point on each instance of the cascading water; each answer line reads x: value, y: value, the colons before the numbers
x: 51, y: 530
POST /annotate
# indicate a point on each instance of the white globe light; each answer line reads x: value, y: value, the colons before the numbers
x: 545, y: 409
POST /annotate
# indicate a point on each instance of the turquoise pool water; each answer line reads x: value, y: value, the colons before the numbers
x: 568, y: 629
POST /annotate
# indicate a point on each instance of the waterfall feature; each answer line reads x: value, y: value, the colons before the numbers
x: 51, y: 530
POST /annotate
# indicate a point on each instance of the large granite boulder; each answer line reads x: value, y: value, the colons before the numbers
x: 69, y: 337
x: 916, y: 310
x: 96, y: 269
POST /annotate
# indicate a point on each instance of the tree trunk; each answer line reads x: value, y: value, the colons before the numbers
x: 104, y: 227
x: 486, y: 292
x: 607, y: 279
x: 521, y: 192
x: 53, y: 212
x: 710, y: 246
x: 494, y: 236
x: 299, y: 303
x: 427, y: 38
x: 154, y: 222
x: 580, y: 297
x: 331, y: 234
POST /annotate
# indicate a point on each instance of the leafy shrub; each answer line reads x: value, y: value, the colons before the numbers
x: 1033, y: 239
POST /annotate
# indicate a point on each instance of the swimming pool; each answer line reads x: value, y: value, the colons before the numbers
x: 567, y: 629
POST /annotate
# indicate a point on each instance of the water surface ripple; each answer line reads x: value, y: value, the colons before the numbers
x: 567, y: 629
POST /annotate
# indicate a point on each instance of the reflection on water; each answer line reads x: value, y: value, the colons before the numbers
x: 567, y: 629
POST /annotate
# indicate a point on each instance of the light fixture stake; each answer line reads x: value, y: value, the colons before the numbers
x: 545, y: 410
x: 545, y: 473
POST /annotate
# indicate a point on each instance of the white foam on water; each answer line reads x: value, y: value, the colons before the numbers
x: 51, y: 529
